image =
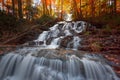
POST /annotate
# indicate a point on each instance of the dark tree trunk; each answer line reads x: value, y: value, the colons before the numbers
x: 20, y: 9
x: 80, y: 10
x: 13, y: 7
x: 61, y: 9
x: 115, y: 2
x: 92, y: 8
x: 50, y: 8
x: 99, y: 8
x: 76, y: 13
x: 43, y: 5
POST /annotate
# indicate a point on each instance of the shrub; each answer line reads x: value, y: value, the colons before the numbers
x: 44, y: 18
x: 7, y: 22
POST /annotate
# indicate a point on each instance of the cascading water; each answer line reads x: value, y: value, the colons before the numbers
x: 57, y: 32
x: 47, y: 61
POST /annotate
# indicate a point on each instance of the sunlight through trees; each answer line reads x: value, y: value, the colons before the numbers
x: 31, y: 9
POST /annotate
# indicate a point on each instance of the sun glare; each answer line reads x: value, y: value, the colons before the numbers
x: 68, y: 17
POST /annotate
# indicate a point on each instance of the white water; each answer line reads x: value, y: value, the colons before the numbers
x: 42, y: 63
x: 28, y: 67
x: 57, y: 32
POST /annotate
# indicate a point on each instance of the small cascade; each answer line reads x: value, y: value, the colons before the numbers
x: 58, y: 32
x: 54, y: 43
x: 56, y: 56
x: 76, y: 42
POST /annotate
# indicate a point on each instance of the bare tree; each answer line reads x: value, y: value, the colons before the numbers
x: 75, y: 9
x: 3, y: 4
x: 13, y: 7
x: 61, y: 9
x: 115, y: 2
x: 20, y: 9
x: 80, y: 9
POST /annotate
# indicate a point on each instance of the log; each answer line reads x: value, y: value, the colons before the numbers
x: 19, y: 35
x: 8, y: 46
x: 17, y: 46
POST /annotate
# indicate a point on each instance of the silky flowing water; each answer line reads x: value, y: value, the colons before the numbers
x: 48, y: 60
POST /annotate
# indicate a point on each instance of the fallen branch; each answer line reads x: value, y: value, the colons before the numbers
x: 8, y: 46
x: 19, y: 35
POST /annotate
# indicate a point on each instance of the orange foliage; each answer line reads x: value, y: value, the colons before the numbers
x: 48, y: 2
x: 118, y: 6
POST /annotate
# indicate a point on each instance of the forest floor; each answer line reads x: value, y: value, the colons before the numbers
x: 105, y: 40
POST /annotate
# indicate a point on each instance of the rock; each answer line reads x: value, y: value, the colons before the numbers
x: 49, y: 41
x: 65, y: 41
x: 58, y: 53
x: 31, y: 43
x: 35, y: 43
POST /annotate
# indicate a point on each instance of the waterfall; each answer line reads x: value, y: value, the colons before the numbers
x: 43, y: 68
x: 49, y: 60
x: 57, y: 32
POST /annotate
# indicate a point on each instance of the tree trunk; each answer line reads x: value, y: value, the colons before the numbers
x: 92, y: 8
x: 115, y: 2
x: 76, y: 13
x: 46, y: 8
x: 99, y: 8
x: 3, y: 4
x: 50, y: 7
x: 20, y: 9
x: 61, y: 9
x: 13, y: 7
x: 86, y: 8
x: 45, y: 11
x: 80, y: 10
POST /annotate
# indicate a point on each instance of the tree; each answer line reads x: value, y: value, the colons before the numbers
x: 80, y: 10
x: 75, y: 9
x: 13, y: 7
x: 115, y: 2
x: 3, y: 4
x: 45, y: 8
x: 61, y: 9
x: 50, y: 6
x: 92, y: 2
x: 20, y: 9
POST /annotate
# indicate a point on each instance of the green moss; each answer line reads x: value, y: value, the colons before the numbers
x: 87, y: 33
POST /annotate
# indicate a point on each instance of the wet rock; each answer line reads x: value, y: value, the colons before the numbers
x: 31, y: 43
x: 73, y: 32
x: 60, y: 25
x: 48, y: 41
x: 70, y: 45
x: 35, y: 43
x: 61, y: 34
x: 66, y: 40
x: 58, y: 53
x: 40, y: 42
